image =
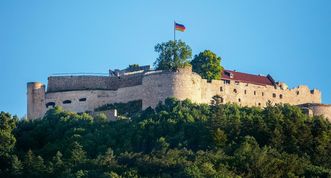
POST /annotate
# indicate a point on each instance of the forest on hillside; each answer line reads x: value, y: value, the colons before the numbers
x: 176, y: 139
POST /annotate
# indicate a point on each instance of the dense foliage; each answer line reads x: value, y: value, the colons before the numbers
x: 176, y: 139
x: 208, y: 65
x: 172, y: 55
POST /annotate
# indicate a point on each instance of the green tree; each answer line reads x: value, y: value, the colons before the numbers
x: 58, y: 164
x: 34, y: 165
x: 77, y: 154
x: 7, y: 141
x: 16, y: 167
x: 172, y: 55
x: 208, y: 65
x: 219, y: 137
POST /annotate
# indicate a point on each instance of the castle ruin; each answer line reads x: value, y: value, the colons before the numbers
x: 85, y: 93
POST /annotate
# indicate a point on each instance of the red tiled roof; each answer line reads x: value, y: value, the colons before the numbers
x: 247, y: 78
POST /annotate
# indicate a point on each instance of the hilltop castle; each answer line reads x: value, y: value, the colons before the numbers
x: 86, y: 93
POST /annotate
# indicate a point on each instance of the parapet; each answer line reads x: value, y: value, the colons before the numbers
x: 73, y: 83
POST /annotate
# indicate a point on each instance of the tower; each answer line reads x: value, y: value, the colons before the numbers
x: 36, y: 100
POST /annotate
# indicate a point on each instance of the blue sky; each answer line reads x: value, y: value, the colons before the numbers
x: 291, y: 40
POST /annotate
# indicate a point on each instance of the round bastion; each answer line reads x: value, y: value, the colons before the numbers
x: 319, y: 109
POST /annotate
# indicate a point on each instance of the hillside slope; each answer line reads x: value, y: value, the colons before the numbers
x: 176, y: 139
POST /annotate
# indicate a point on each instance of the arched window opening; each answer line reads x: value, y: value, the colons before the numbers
x: 82, y: 99
x: 66, y: 102
x: 50, y: 104
x: 235, y: 90
x: 221, y: 88
x: 217, y: 100
x: 274, y: 95
x: 281, y: 96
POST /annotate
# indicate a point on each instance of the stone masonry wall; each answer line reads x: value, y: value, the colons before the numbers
x: 319, y: 109
x: 72, y: 83
x: 94, y: 98
x: 246, y: 94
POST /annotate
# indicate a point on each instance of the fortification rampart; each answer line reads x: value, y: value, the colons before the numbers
x: 318, y: 109
x: 73, y: 83
x: 86, y: 93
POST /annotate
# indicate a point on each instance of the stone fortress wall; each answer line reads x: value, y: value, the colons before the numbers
x: 317, y: 109
x: 85, y: 93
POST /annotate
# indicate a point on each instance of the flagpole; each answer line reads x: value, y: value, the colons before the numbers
x: 174, y: 31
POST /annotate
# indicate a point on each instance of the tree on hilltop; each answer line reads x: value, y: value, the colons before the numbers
x: 172, y: 55
x: 208, y: 65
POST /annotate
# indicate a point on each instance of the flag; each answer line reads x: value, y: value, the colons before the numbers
x: 179, y: 27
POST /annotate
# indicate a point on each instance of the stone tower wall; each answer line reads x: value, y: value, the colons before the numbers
x: 160, y: 85
x: 35, y: 100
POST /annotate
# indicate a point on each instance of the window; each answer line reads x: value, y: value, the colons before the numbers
x: 239, y: 100
x: 221, y: 100
x: 259, y: 104
x: 221, y: 88
x: 237, y: 82
x: 212, y: 102
x: 235, y: 90
x: 298, y: 92
x: 274, y: 95
x: 245, y: 91
x: 281, y: 96
x: 226, y: 81
x: 262, y: 93
x: 254, y: 92
x: 66, y: 102
x: 52, y: 104
x: 82, y: 99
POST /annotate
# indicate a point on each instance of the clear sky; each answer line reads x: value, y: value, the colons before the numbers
x: 289, y: 39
